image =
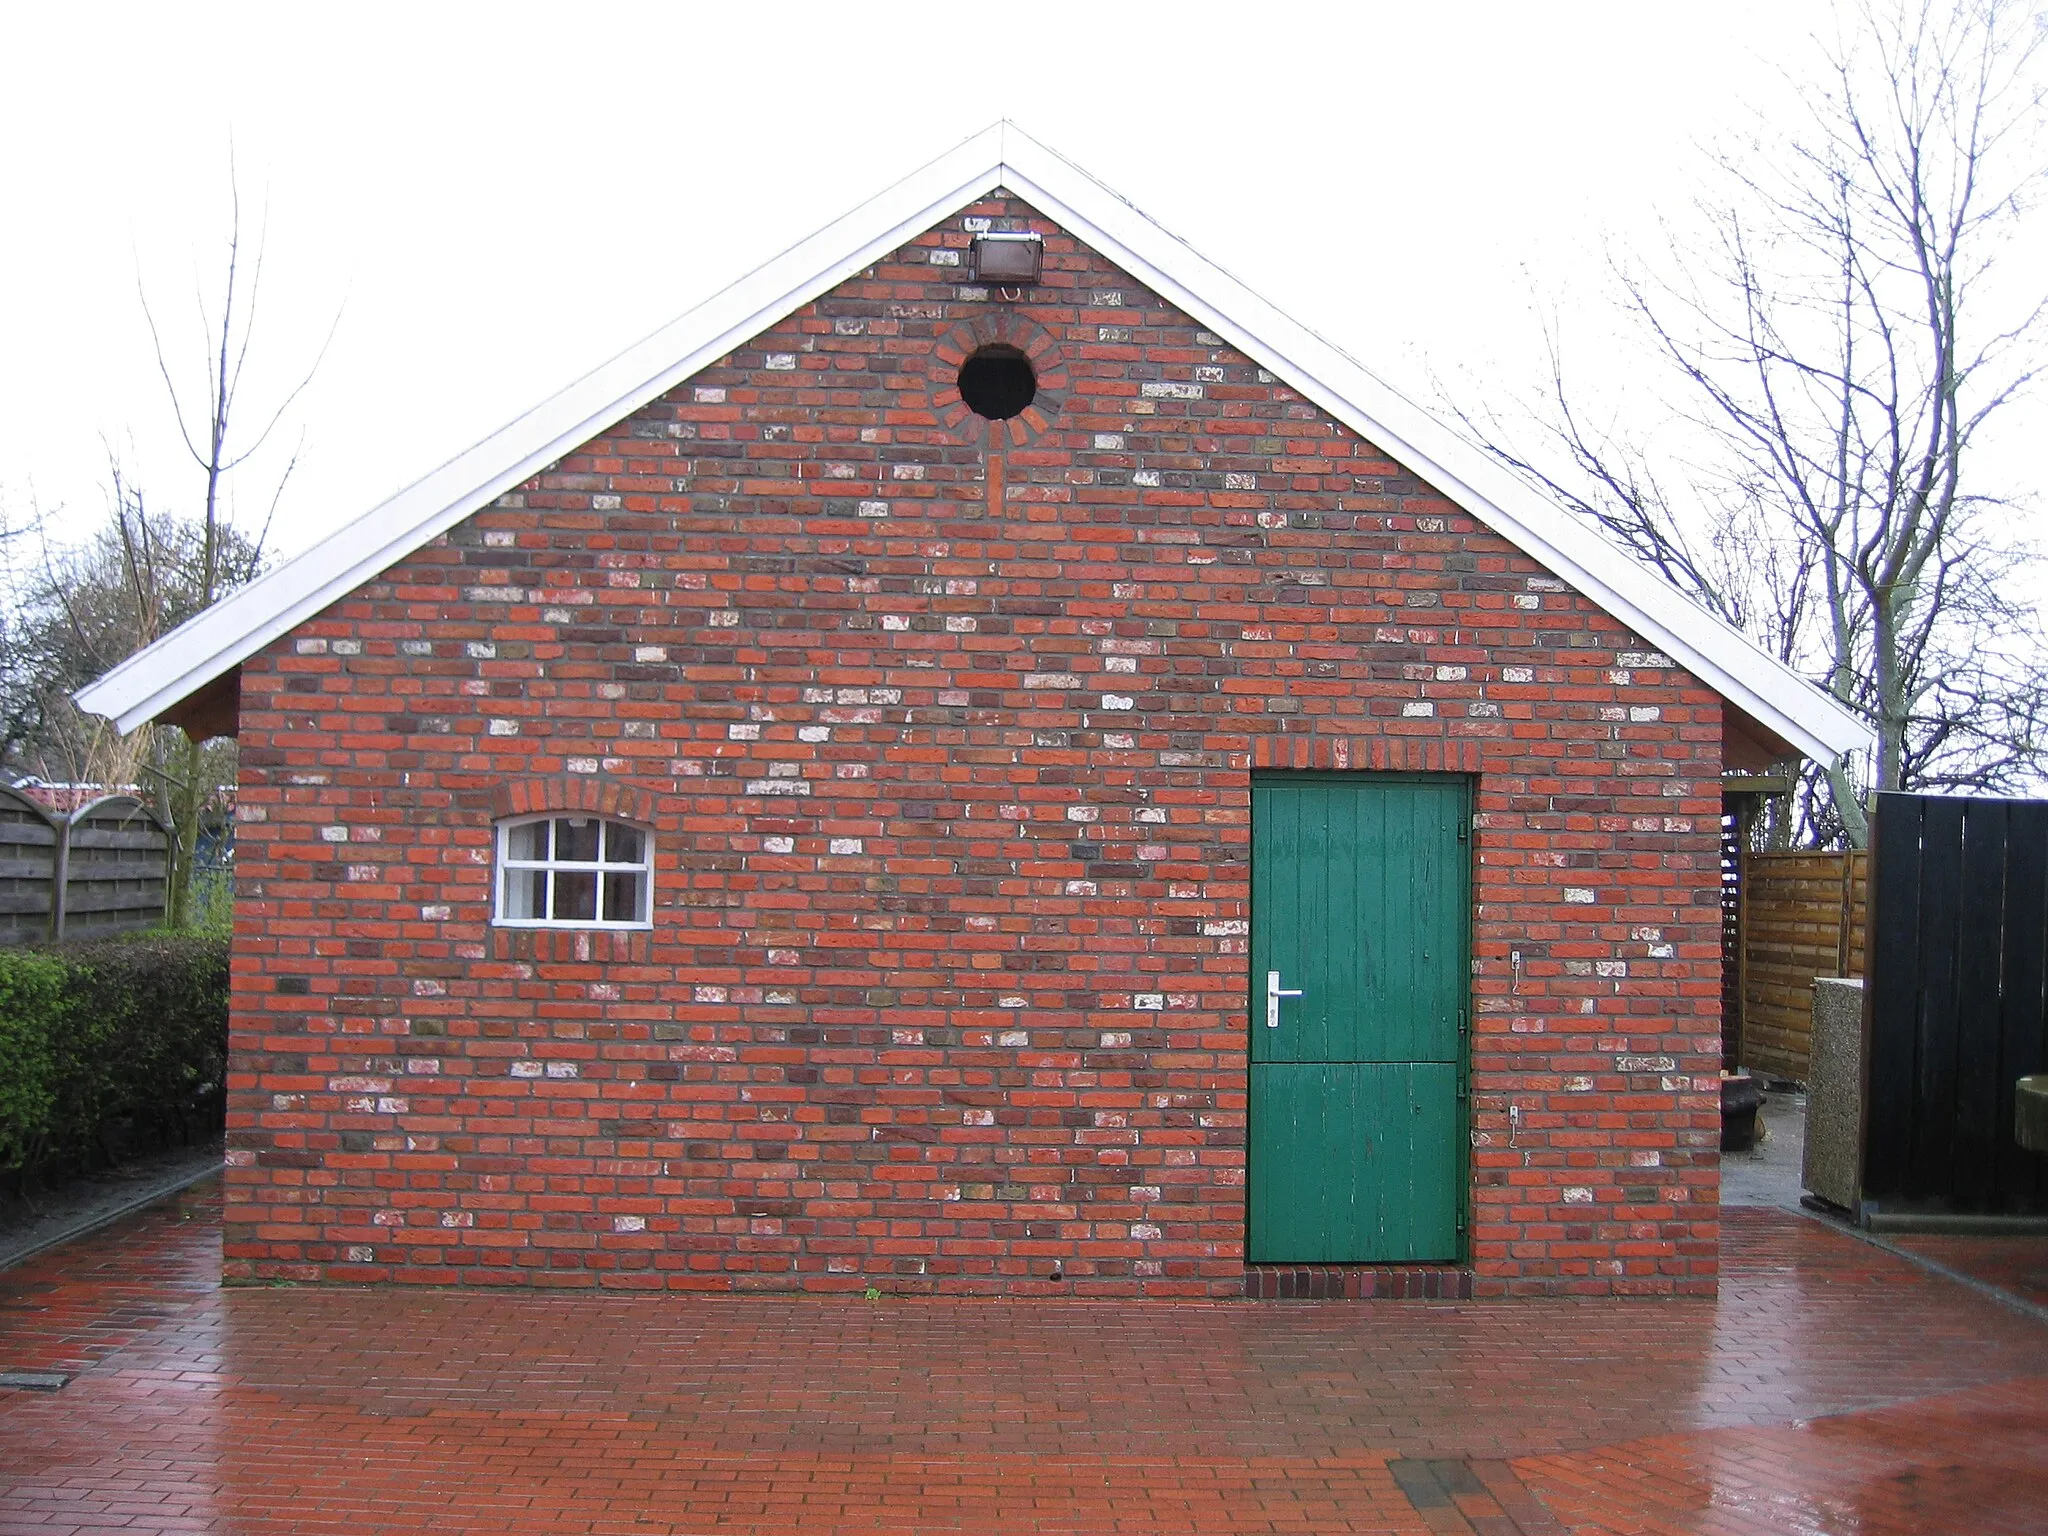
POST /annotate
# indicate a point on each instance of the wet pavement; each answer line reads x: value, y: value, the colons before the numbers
x: 1833, y: 1387
x: 92, y: 1200
x: 2018, y: 1266
x: 1769, y: 1174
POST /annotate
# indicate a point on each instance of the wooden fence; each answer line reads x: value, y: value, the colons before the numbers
x: 1795, y: 916
x: 100, y: 870
x: 1957, y: 1002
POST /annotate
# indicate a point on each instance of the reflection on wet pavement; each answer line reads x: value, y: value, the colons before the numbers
x: 1833, y: 1387
x: 2018, y: 1265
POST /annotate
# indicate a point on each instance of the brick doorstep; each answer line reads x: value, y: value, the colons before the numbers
x: 1357, y: 1282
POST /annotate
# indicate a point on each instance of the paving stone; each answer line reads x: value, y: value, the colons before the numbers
x: 1832, y: 1387
x: 2017, y: 1264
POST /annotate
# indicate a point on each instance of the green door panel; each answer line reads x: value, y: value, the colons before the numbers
x: 1361, y: 899
x: 1357, y: 1163
x: 1360, y: 893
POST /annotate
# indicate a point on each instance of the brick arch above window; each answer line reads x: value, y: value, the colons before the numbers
x: 1004, y: 328
x: 575, y: 794
x: 564, y: 792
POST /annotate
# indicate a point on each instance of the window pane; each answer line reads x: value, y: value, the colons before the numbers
x: 576, y: 839
x: 623, y: 844
x: 618, y: 890
x: 526, y: 893
x: 622, y: 899
x: 575, y: 896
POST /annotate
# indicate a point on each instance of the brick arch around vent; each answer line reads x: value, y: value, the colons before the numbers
x: 1008, y: 329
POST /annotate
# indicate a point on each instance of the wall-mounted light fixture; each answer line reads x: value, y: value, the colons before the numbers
x: 1010, y: 259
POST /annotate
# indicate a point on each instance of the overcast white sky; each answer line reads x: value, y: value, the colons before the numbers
x: 494, y: 198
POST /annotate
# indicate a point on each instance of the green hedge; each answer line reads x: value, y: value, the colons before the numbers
x: 110, y: 1048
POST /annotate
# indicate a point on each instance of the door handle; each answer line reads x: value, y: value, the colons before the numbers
x: 1274, y: 992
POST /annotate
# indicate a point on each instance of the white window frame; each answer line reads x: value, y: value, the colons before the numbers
x: 504, y: 863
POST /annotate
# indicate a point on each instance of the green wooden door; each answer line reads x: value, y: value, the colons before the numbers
x: 1361, y: 894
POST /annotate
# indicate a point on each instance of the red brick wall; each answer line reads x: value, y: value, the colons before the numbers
x: 948, y: 756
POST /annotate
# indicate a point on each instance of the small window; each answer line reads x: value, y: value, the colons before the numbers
x: 574, y: 872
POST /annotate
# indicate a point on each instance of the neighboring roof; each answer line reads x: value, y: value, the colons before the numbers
x: 1002, y: 156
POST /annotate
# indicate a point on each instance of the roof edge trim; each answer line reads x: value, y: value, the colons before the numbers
x: 1718, y: 654
x: 249, y: 618
x: 999, y: 156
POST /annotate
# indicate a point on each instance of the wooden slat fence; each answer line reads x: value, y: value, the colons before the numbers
x: 28, y: 868
x: 102, y: 869
x: 1958, y: 1002
x: 1800, y: 915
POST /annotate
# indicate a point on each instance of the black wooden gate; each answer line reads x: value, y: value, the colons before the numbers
x: 1958, y: 1000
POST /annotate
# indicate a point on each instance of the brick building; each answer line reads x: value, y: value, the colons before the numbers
x: 983, y: 758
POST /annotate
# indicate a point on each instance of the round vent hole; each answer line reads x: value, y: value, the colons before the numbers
x: 997, y: 382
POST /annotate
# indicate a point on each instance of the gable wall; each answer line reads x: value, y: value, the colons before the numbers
x: 948, y: 758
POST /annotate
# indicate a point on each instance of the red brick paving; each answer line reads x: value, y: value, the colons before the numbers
x: 2015, y: 1264
x: 1832, y: 1388
x: 1975, y: 1460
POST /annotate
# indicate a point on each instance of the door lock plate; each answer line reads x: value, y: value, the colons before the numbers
x: 1274, y: 992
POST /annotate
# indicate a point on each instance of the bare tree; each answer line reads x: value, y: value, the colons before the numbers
x: 184, y: 779
x: 1840, y: 334
x: 75, y: 610
x: 229, y: 335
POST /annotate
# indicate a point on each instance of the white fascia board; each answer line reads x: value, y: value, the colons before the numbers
x: 1002, y: 155
x: 1719, y: 655
x: 249, y: 618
